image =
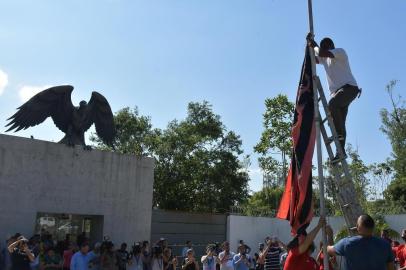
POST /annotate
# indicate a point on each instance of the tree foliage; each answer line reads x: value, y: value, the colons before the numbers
x: 197, y: 164
x: 394, y: 126
x: 197, y: 161
x: 264, y: 202
x: 134, y: 133
x: 276, y: 137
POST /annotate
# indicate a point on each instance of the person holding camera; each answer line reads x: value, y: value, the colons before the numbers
x: 136, y: 260
x: 170, y: 261
x: 209, y: 260
x: 226, y: 257
x: 189, y: 263
x: 21, y: 255
x: 146, y: 255
x: 270, y: 257
x: 157, y: 258
x: 242, y: 261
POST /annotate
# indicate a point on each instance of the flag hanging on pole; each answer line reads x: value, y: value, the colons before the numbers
x: 296, y: 203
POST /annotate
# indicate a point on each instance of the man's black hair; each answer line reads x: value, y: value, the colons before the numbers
x: 367, y: 221
x: 327, y: 42
x: 83, y: 244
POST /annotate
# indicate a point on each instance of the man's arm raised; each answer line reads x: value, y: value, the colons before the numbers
x: 304, y: 246
x: 319, y: 51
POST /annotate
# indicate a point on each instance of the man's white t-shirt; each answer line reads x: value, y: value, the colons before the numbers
x: 337, y: 69
x: 209, y: 263
x: 228, y: 264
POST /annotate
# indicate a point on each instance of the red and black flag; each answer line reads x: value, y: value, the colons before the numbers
x: 296, y: 204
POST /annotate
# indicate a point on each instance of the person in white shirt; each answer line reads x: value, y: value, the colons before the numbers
x: 209, y: 260
x: 342, y: 84
x: 226, y: 257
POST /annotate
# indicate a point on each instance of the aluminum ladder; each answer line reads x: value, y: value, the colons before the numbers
x: 346, y: 194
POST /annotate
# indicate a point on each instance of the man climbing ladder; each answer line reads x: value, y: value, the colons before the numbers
x: 342, y: 84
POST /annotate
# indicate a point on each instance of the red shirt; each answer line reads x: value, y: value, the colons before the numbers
x: 67, y: 257
x: 321, y: 263
x: 401, y: 255
x: 303, y: 261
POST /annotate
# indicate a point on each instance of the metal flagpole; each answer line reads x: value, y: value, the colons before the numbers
x: 318, y: 138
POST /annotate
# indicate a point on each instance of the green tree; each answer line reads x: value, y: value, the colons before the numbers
x: 264, y: 202
x: 359, y: 173
x: 394, y: 126
x: 330, y: 209
x: 134, y: 133
x: 198, y: 166
x: 197, y: 159
x: 276, y: 137
x: 380, y: 174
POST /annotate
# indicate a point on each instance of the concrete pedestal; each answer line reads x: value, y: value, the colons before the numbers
x: 38, y: 176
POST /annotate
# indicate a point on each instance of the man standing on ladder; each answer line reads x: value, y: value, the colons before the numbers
x: 342, y: 84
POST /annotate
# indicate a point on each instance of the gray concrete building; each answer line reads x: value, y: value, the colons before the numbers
x: 49, y: 186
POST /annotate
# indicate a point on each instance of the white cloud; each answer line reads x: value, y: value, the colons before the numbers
x: 3, y: 81
x: 28, y: 91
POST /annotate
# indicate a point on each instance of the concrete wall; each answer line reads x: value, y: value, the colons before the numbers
x: 253, y: 230
x: 38, y: 176
x: 178, y: 227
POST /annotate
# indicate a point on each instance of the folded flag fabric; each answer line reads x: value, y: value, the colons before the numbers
x: 296, y: 204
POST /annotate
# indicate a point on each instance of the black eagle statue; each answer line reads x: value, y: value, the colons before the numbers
x: 55, y: 102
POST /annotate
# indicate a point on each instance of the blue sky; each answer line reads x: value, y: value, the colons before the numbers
x: 160, y: 55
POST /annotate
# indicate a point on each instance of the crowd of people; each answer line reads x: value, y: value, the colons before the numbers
x: 364, y: 251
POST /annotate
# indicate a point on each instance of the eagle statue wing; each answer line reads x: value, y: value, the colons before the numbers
x: 99, y: 113
x: 54, y: 102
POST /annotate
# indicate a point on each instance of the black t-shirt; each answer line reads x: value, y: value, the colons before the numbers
x: 122, y: 259
x: 20, y: 260
x: 190, y: 266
